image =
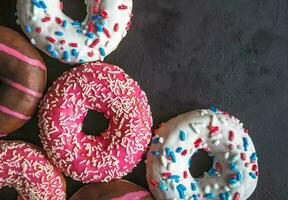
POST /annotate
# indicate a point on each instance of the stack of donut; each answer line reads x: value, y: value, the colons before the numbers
x: 105, y: 88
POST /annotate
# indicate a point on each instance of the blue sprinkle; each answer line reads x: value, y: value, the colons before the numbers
x: 43, y: 5
x: 54, y: 53
x: 245, y: 143
x: 197, y: 180
x: 190, y: 161
x: 214, y: 108
x: 155, y: 140
x: 178, y: 150
x: 76, y: 24
x: 36, y: 3
x: 102, y: 52
x: 227, y: 195
x: 193, y: 187
x: 75, y: 53
x: 162, y: 186
x: 253, y: 156
x: 82, y: 61
x: 65, y: 24
x: 155, y: 153
x: 252, y: 175
x: 182, y: 135
x: 66, y: 55
x: 233, y: 166
x: 173, y: 156
x: 174, y: 177
x: 79, y: 31
x: 99, y: 28
x: 195, y: 197
x: 212, y: 172
x: 90, y: 35
x: 50, y: 48
x: 94, y: 17
x: 239, y: 176
x: 28, y: 29
x: 181, y: 190
x: 223, y: 196
x: 59, y: 33
x: 209, y: 195
x: 167, y: 151
x: 232, y: 180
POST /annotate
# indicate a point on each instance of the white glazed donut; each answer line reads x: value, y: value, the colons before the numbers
x: 234, y: 173
x: 70, y: 41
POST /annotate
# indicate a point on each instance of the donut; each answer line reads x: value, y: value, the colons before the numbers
x: 49, y: 29
x: 234, y: 173
x: 22, y: 80
x: 114, y: 190
x: 25, y: 168
x: 116, y: 151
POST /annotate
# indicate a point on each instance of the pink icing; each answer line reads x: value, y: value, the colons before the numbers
x: 18, y: 115
x: 22, y: 57
x: 20, y: 87
x: 133, y: 196
x: 29, y: 172
x: 107, y: 89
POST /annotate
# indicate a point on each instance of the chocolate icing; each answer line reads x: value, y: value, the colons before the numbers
x: 21, y: 72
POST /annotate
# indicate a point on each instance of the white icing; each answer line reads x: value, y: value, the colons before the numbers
x: 31, y: 17
x: 218, y: 144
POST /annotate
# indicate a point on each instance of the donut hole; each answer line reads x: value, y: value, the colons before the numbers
x: 76, y: 10
x: 94, y: 123
x: 8, y: 193
x: 201, y: 162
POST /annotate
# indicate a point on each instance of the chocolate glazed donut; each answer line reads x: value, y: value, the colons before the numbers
x: 114, y: 190
x: 22, y: 80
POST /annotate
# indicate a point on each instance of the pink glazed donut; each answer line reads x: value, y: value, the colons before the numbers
x: 27, y: 169
x: 117, y: 150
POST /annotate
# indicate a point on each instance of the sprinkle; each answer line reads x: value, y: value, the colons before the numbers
x: 28, y: 29
x: 245, y: 143
x: 50, y: 48
x: 46, y: 19
x: 213, y: 129
x: 65, y: 24
x: 90, y: 35
x: 43, y: 5
x: 182, y: 135
x: 253, y: 157
x: 155, y: 140
x: 54, y: 53
x: 155, y: 153
x: 181, y: 190
x: 104, y: 14
x: 167, y: 151
x: 66, y: 56
x: 178, y: 150
x: 236, y: 196
x: 231, y: 135
x: 223, y: 196
x: 233, y: 166
x: 185, y: 174
x: 238, y: 176
x: 162, y: 186
x: 51, y: 39
x: 234, y: 158
x: 254, y: 167
x: 173, y: 156
x: 94, y: 43
x: 209, y: 196
x: 95, y: 9
x: 166, y: 174
x: 198, y: 142
x: 122, y: 7
x: 153, y: 182
x: 184, y: 152
x: 174, y: 177
x: 36, y: 3
x: 59, y: 33
x: 76, y: 24
x: 214, y: 109
x: 39, y: 29
x: 190, y: 161
x: 195, y: 197
x: 73, y: 44
x: 107, y: 33
x: 116, y: 27
x: 218, y: 167
x: 75, y: 53
x: 253, y: 175
x: 193, y: 187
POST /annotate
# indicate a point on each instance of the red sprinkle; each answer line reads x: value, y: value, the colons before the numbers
x: 184, y: 152
x: 95, y: 9
x: 254, y: 167
x: 122, y: 7
x: 231, y: 147
x: 107, y: 33
x: 46, y: 19
x: 104, y: 14
x: 198, y: 142
x: 39, y: 29
x: 153, y: 182
x: 51, y: 39
x: 236, y: 196
x: 61, y: 5
x: 185, y: 174
x: 243, y: 156
x: 73, y: 44
x: 246, y: 130
x: 91, y: 27
x: 90, y: 54
x: 234, y: 176
x: 94, y: 43
x: 218, y: 167
x: 59, y: 20
x: 166, y: 174
x: 128, y: 25
x: 257, y: 173
x: 213, y: 129
x: 231, y: 135
x: 116, y: 27
x: 62, y: 41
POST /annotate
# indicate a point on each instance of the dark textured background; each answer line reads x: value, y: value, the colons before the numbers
x: 188, y: 54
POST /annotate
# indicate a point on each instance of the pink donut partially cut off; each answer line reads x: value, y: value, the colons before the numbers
x: 116, y: 151
x: 26, y: 169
